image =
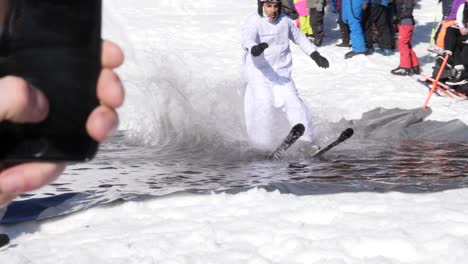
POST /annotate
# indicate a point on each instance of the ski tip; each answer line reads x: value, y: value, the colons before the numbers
x: 299, y: 128
x: 4, y: 240
x: 349, y: 132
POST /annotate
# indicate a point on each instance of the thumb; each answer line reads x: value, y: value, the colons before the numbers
x: 21, y: 103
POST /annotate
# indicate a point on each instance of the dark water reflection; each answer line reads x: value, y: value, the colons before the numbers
x: 407, y: 166
x: 411, y: 166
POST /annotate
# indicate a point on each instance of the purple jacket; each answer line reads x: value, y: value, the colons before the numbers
x: 453, y: 12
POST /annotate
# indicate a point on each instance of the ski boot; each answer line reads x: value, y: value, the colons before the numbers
x: 4, y: 240
x: 459, y: 77
x: 344, y: 44
x: 351, y: 54
x: 416, y: 70
x: 402, y: 71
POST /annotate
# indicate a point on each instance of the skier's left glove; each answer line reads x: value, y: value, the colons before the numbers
x: 321, y: 61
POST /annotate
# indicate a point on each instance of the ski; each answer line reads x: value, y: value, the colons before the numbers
x: 426, y: 84
x: 296, y: 132
x: 447, y: 90
x: 346, y: 134
x: 4, y: 241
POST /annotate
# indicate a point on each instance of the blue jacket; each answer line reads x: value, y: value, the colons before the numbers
x: 379, y: 2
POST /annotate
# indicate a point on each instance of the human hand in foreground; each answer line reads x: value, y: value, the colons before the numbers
x: 258, y: 49
x: 321, y: 61
x: 21, y: 103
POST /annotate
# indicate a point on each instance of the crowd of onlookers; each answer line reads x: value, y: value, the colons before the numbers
x: 381, y: 26
x: 452, y: 37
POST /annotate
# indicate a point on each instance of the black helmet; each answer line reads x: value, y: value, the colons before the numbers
x: 261, y: 2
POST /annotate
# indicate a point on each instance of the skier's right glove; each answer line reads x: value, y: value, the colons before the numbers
x: 321, y: 61
x: 258, y: 49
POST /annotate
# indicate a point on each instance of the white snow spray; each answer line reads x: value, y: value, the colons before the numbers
x: 177, y: 97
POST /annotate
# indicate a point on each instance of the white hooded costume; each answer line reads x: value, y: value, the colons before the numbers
x: 271, y: 104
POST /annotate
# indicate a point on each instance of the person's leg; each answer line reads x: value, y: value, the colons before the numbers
x: 344, y: 29
x: 404, y: 39
x: 383, y: 26
x: 305, y: 25
x: 316, y: 22
x: 296, y: 110
x: 450, y: 40
x: 357, y: 35
x: 414, y: 58
x: 464, y: 55
x: 258, y: 110
x: 352, y: 13
x: 368, y: 20
x: 460, y: 59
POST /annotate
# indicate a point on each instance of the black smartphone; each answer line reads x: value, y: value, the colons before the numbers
x: 55, y: 45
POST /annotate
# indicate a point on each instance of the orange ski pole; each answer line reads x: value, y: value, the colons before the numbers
x: 435, y: 83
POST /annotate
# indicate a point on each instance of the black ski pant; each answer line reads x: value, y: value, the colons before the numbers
x: 451, y: 38
x: 461, y: 55
x: 316, y: 23
x: 344, y: 29
x: 377, y: 14
x: 453, y: 41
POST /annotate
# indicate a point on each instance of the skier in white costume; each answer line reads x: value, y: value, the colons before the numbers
x: 271, y: 95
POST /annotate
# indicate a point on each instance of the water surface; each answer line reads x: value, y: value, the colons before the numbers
x: 130, y: 170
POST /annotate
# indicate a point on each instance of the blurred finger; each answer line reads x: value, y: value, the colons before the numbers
x: 20, y: 102
x: 26, y: 177
x: 102, y: 123
x: 6, y: 198
x: 112, y: 55
x: 110, y: 90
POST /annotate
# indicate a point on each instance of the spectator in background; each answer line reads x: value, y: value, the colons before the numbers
x: 289, y: 9
x: 446, y: 8
x: 460, y: 54
x: 376, y: 14
x: 409, y: 62
x: 445, y: 25
x: 454, y: 33
x: 303, y: 22
x: 344, y: 28
x: 316, y: 14
x: 352, y: 16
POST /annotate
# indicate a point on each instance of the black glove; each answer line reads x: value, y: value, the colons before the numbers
x: 321, y: 61
x: 258, y: 49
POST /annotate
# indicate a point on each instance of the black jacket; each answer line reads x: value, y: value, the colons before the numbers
x: 404, y: 11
